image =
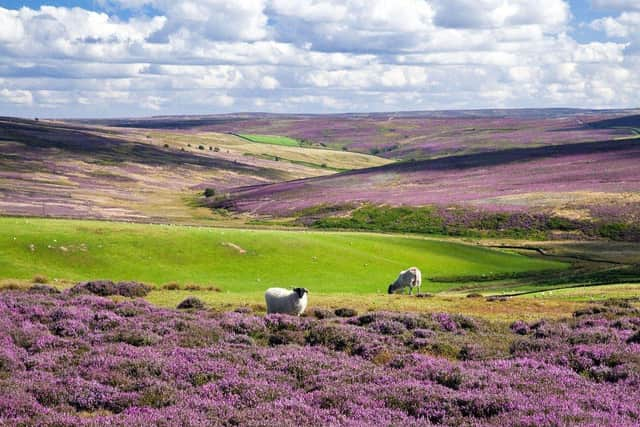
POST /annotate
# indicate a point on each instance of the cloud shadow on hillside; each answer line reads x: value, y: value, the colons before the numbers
x: 514, y: 155
x: 81, y: 141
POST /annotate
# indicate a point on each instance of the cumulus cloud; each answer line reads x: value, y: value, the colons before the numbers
x: 616, y: 4
x: 627, y: 25
x: 549, y: 15
x: 197, y: 56
x: 16, y: 96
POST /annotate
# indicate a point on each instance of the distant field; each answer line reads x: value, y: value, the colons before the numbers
x: 315, y: 161
x: 271, y: 139
x: 591, y: 293
x: 237, y: 260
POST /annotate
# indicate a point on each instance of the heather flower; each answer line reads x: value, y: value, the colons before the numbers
x: 87, y: 361
x: 520, y: 327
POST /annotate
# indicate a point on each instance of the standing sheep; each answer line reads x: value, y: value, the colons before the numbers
x: 280, y: 300
x: 409, y: 278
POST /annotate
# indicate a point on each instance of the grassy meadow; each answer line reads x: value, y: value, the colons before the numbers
x: 320, y: 161
x: 272, y: 139
x: 240, y: 260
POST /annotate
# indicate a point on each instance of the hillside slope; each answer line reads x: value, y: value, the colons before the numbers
x: 70, y: 170
x: 572, y: 177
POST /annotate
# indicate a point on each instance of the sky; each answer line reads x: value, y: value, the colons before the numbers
x: 117, y: 58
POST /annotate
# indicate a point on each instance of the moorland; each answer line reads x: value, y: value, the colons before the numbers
x: 525, y: 223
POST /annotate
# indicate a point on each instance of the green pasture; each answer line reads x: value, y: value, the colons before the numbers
x: 271, y: 139
x: 239, y: 260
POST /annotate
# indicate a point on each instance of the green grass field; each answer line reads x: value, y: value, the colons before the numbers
x: 271, y: 139
x: 238, y: 260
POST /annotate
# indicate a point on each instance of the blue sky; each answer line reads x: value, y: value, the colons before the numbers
x: 106, y: 58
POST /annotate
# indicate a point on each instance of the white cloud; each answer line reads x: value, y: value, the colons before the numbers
x: 356, y: 25
x: 627, y: 25
x: 212, y: 19
x: 616, y: 4
x: 550, y: 15
x: 312, y: 55
x: 16, y: 96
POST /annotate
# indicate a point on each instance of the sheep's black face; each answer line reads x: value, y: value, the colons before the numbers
x: 390, y: 290
x: 301, y: 291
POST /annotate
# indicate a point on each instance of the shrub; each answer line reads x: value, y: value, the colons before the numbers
x: 133, y: 289
x: 388, y: 327
x: 43, y: 289
x: 345, y: 312
x: 107, y: 288
x: 11, y: 286
x: 470, y: 352
x: 634, y: 339
x: 321, y: 313
x: 209, y: 192
x: 39, y: 278
x: 200, y: 147
x: 166, y: 145
x: 191, y: 303
x: 520, y: 327
x: 157, y: 397
x: 474, y: 295
x: 331, y: 337
x: 135, y: 338
x: 171, y: 286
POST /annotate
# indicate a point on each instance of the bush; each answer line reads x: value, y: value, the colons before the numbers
x: 635, y: 338
x: 209, y: 192
x: 166, y: 146
x: 191, y: 303
x: 345, y: 312
x: 321, y: 313
x: 38, y: 278
x: 200, y: 147
x: 43, y: 289
x: 520, y: 327
x: 106, y: 288
x: 171, y: 286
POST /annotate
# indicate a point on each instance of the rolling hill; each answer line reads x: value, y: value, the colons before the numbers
x: 50, y: 168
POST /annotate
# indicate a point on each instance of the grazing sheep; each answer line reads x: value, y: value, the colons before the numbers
x: 281, y: 300
x: 409, y: 278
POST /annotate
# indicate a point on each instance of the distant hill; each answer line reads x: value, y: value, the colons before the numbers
x: 61, y: 169
x: 586, y: 180
x: 411, y: 134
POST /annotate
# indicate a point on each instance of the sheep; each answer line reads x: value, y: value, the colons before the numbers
x: 286, y: 301
x: 409, y: 278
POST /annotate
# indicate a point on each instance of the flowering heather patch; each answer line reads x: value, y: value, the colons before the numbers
x: 421, y: 136
x: 469, y: 221
x: 497, y: 181
x: 84, y: 360
x: 107, y: 288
